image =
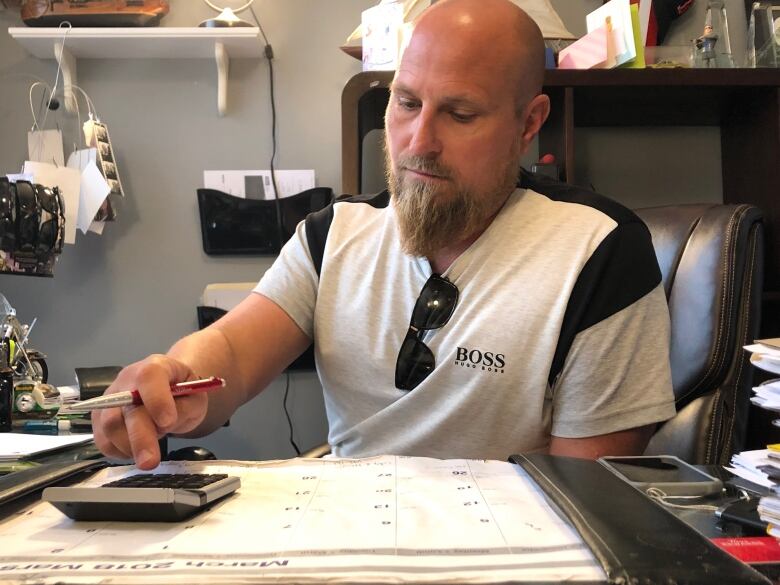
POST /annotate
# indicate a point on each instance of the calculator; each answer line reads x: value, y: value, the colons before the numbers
x: 144, y: 497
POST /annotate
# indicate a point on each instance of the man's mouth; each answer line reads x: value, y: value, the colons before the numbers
x: 425, y: 175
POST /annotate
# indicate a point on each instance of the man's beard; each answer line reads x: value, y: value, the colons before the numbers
x: 434, y: 216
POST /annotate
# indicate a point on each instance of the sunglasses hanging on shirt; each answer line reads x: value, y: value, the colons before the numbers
x: 433, y: 310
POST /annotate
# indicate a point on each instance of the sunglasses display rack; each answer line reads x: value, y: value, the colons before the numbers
x: 32, y: 227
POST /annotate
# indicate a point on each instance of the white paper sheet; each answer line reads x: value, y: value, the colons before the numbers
x: 69, y: 182
x: 384, y: 519
x: 620, y: 12
x: 258, y: 184
x: 21, y: 445
x: 763, y: 350
x: 20, y: 177
x: 94, y: 190
x: 97, y: 227
x: 745, y: 465
x: 45, y: 146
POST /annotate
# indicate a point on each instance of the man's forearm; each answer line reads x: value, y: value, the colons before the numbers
x: 207, y: 353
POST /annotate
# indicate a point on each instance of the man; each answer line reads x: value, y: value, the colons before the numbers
x: 538, y: 319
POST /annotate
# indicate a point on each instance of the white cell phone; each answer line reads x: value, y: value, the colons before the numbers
x: 668, y: 473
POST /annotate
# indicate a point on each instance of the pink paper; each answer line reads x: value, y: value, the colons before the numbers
x: 588, y: 52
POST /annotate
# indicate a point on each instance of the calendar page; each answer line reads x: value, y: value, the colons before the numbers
x: 381, y: 520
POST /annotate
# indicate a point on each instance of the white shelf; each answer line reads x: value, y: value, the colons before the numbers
x: 142, y: 43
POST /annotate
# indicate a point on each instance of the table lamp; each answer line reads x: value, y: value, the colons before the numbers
x: 227, y: 16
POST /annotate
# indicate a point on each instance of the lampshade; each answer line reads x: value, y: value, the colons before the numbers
x: 227, y: 16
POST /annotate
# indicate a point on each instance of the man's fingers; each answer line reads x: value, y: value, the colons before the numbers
x: 110, y: 433
x: 134, y: 431
x: 153, y: 384
x: 191, y: 410
x: 142, y: 434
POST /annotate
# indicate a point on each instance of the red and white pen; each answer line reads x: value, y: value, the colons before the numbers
x: 134, y: 397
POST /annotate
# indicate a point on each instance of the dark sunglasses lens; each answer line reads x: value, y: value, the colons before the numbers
x: 47, y: 199
x: 436, y: 304
x: 415, y: 363
x: 47, y: 236
x: 27, y: 218
x: 7, y: 215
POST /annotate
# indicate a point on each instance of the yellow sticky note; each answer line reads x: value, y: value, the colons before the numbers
x: 639, y: 61
x: 774, y: 447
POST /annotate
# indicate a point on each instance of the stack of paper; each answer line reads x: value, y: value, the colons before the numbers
x: 767, y: 395
x: 755, y: 465
x: 762, y: 467
x: 766, y: 354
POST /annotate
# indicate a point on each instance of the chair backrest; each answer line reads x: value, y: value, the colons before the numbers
x: 711, y: 259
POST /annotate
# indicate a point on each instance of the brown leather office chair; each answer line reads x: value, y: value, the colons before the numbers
x: 711, y: 258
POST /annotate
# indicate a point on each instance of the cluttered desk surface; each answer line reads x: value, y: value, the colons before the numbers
x: 384, y: 519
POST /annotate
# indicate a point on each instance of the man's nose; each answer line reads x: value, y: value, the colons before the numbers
x: 425, y: 140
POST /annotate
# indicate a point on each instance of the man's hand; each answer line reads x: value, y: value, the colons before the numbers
x: 133, y: 431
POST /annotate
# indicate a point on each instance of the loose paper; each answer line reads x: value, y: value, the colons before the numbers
x: 69, y: 183
x: 639, y: 61
x: 97, y: 227
x: 382, y: 30
x: 94, y: 190
x: 620, y: 13
x: 45, y: 146
x: 258, y: 184
x: 20, y: 177
x: 20, y: 445
x: 589, y: 52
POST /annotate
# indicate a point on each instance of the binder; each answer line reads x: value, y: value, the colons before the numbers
x: 634, y: 538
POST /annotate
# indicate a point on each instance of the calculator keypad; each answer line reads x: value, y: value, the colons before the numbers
x: 182, y: 481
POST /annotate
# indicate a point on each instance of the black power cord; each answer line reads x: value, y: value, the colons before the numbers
x: 287, y: 413
x: 268, y: 51
x: 269, y: 54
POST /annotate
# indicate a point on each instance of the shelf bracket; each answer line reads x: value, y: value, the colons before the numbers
x: 223, y: 69
x: 67, y: 62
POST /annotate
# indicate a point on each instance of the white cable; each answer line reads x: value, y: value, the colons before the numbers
x: 32, y: 108
x: 52, y: 90
x: 59, y: 68
x: 660, y: 496
x: 90, y: 104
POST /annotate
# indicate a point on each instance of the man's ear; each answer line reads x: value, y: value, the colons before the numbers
x: 535, y: 114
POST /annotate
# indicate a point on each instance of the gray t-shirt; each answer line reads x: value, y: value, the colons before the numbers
x: 561, y: 328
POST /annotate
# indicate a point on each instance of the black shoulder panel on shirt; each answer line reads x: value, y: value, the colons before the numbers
x: 620, y: 271
x: 318, y: 223
x: 564, y: 192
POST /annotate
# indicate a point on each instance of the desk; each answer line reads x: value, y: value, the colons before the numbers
x: 341, y: 534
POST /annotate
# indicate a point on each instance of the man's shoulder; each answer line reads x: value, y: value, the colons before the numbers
x: 377, y: 200
x: 566, y: 193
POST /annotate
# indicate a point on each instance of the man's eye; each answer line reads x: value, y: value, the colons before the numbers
x: 463, y: 117
x: 407, y: 104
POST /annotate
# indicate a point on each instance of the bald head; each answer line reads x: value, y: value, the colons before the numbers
x: 497, y: 32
